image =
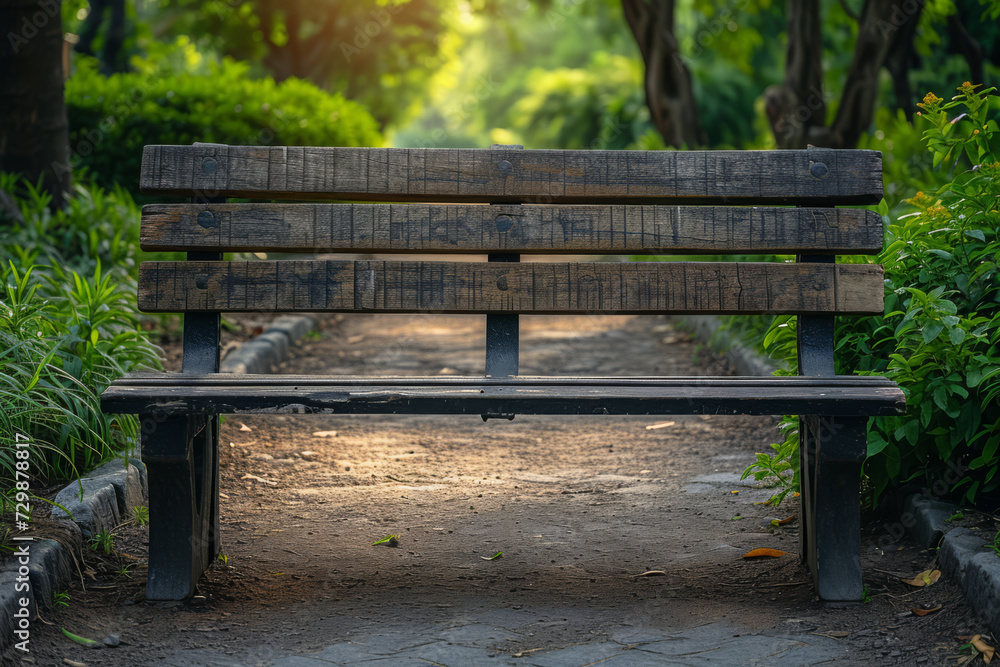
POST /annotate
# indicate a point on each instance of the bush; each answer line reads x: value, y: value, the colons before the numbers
x: 68, y: 328
x: 112, y: 118
x: 940, y: 338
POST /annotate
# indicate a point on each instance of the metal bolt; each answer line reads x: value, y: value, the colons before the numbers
x: 201, y: 281
x: 207, y: 219
x: 209, y: 165
x: 818, y: 170
x: 502, y: 283
x: 505, y: 167
x: 504, y: 222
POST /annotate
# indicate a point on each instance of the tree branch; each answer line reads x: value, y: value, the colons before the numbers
x: 669, y: 93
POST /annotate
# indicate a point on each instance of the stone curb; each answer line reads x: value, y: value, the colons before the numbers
x: 962, y: 555
x: 101, y: 500
x: 743, y: 360
x: 94, y: 504
x: 264, y: 352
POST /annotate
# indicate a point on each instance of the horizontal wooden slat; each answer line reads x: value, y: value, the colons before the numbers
x: 155, y: 379
x: 269, y: 227
x: 779, y: 396
x: 506, y: 175
x: 531, y: 288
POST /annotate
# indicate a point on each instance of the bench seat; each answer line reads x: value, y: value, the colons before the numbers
x: 175, y: 393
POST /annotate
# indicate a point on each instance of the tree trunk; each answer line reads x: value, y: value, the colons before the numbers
x: 883, y: 25
x: 669, y: 94
x: 34, y: 134
x: 797, y: 107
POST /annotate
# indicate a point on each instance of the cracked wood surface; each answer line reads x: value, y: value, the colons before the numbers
x: 272, y: 227
x: 530, y: 288
x: 510, y: 175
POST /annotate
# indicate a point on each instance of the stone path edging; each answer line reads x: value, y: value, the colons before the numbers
x: 743, y: 360
x: 104, y: 498
x: 962, y: 555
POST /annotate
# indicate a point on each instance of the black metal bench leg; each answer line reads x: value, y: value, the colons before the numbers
x: 180, y: 459
x: 832, y: 451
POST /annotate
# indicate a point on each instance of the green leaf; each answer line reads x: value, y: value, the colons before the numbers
x: 956, y: 336
x: 931, y: 331
x: 976, y: 234
x: 80, y: 640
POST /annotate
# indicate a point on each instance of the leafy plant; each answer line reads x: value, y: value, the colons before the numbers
x: 940, y: 337
x: 60, y: 599
x: 102, y: 542
x: 957, y: 516
x: 141, y: 515
x: 996, y: 544
x: 223, y: 558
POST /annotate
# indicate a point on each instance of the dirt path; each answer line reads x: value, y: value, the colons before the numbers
x: 578, y: 505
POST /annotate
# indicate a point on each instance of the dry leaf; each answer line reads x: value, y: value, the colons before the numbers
x: 652, y: 573
x: 984, y: 648
x: 355, y: 339
x: 735, y: 492
x: 757, y: 553
x: 660, y: 425
x: 925, y: 578
x: 924, y: 612
x: 244, y: 427
x: 325, y: 434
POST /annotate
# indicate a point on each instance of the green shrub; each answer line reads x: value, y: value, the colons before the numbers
x: 940, y: 337
x: 94, y: 227
x: 67, y: 329
x: 112, y: 118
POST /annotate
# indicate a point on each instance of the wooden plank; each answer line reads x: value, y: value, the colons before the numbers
x: 155, y: 379
x: 532, y: 288
x: 778, y: 398
x: 526, y: 176
x: 616, y: 228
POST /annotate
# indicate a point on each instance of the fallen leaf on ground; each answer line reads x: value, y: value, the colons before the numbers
x: 660, y: 425
x: 498, y: 554
x: 259, y: 479
x: 244, y: 427
x: 388, y: 540
x: 925, y: 578
x: 924, y: 611
x: 737, y: 517
x: 447, y: 371
x: 984, y: 648
x: 325, y: 434
x: 355, y: 339
x: 652, y: 573
x: 735, y: 491
x: 835, y: 634
x: 73, y: 663
x: 758, y: 553
x: 782, y: 522
x: 83, y: 640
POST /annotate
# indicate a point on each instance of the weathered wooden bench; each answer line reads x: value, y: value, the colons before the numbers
x: 505, y: 202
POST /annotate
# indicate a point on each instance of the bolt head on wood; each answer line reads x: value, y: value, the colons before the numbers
x: 818, y: 170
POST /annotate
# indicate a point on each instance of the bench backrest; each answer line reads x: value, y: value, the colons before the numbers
x: 506, y: 202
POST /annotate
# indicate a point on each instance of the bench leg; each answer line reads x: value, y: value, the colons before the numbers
x: 181, y: 459
x: 832, y: 451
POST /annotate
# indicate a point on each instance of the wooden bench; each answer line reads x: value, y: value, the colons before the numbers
x: 505, y: 202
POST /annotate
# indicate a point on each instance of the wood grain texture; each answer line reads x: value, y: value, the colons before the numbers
x: 507, y: 175
x: 532, y: 288
x: 777, y: 397
x: 271, y: 227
